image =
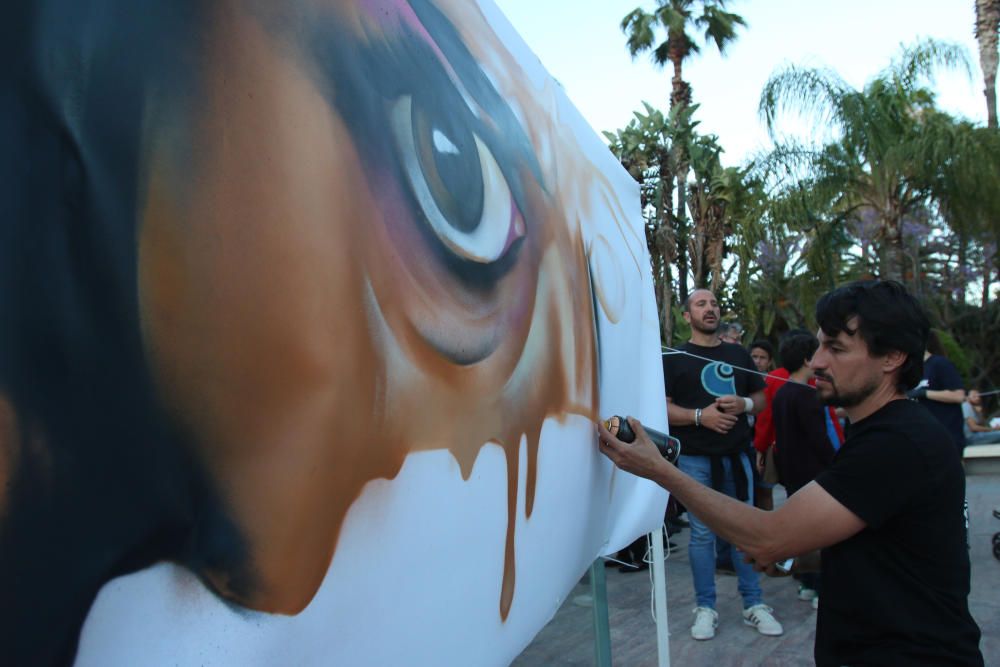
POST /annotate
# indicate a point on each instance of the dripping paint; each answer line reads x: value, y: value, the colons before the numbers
x: 309, y: 309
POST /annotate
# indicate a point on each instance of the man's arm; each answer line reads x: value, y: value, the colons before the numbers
x: 946, y: 395
x: 976, y: 427
x: 811, y: 519
x: 678, y: 416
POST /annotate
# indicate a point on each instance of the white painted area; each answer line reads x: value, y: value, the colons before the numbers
x: 415, y: 580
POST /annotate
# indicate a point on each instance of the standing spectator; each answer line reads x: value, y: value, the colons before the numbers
x: 762, y: 353
x: 708, y: 399
x: 977, y: 430
x: 941, y: 390
x: 731, y: 332
x: 802, y: 445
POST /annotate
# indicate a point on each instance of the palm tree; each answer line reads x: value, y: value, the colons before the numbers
x: 676, y: 17
x: 987, y: 27
x: 883, y: 158
x: 645, y: 149
x: 715, y: 198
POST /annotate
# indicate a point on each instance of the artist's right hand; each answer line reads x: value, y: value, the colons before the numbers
x: 720, y: 422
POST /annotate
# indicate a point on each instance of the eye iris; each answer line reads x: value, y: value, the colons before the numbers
x: 450, y: 163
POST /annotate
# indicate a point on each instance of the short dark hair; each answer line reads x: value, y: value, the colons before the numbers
x: 889, y: 318
x: 934, y: 345
x: 686, y: 306
x: 796, y: 349
x: 764, y: 345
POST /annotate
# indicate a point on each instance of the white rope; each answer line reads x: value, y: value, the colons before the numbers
x: 673, y: 351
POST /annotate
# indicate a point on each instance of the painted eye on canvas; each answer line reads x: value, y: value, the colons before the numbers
x: 461, y: 190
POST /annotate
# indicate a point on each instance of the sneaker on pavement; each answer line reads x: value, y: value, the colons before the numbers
x: 760, y: 617
x: 706, y: 620
x: 806, y: 593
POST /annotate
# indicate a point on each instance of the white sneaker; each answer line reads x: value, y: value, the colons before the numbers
x: 760, y: 617
x: 806, y: 593
x: 706, y: 620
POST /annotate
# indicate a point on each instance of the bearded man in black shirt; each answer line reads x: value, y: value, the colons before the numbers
x: 887, y: 515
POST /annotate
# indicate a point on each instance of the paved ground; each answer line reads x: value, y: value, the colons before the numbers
x: 568, y: 639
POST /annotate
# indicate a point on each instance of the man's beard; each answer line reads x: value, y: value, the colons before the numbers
x: 846, y: 399
x: 701, y: 327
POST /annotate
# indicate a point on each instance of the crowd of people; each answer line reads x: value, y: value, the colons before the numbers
x: 863, y: 424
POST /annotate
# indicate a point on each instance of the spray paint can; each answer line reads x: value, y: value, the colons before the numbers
x: 669, y: 446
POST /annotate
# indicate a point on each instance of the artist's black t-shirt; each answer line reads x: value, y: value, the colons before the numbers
x: 941, y: 374
x: 897, y: 592
x: 696, y: 383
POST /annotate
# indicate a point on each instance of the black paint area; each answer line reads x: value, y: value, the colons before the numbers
x: 104, y: 483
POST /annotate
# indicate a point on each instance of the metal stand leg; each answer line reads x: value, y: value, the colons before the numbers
x: 657, y: 538
x: 602, y: 629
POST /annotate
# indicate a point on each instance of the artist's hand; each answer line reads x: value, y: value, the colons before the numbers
x: 720, y: 422
x: 640, y: 457
x: 731, y: 405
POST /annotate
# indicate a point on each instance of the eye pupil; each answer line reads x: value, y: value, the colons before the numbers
x: 450, y: 162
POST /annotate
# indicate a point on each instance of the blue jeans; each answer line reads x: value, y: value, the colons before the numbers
x: 983, y: 438
x: 701, y: 550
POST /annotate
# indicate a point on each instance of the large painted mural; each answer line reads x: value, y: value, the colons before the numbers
x: 307, y: 311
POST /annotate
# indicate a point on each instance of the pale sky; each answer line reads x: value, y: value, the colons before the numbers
x: 581, y: 45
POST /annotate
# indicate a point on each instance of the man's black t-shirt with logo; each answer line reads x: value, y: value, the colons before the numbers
x: 696, y: 383
x: 897, y: 592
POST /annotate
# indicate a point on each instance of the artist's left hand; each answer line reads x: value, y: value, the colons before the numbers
x: 731, y: 405
x: 639, y: 457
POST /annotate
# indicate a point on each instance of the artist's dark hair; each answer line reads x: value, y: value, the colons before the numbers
x: 888, y: 318
x: 796, y: 349
x: 764, y: 345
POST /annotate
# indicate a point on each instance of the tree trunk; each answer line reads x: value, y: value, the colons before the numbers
x: 682, y: 222
x: 892, y: 252
x: 682, y: 241
x: 987, y: 25
x: 680, y: 97
x: 987, y: 279
x: 716, y: 248
x: 667, y: 299
x: 963, y: 259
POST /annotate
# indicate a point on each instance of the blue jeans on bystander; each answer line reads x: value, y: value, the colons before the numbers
x: 701, y: 550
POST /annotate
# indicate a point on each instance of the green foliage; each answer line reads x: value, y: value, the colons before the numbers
x: 682, y: 330
x: 887, y: 186
x: 894, y: 153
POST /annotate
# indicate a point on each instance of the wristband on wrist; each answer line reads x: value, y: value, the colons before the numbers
x: 748, y: 404
x: 697, y: 416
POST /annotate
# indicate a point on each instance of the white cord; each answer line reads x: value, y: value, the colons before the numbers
x: 648, y: 558
x: 672, y: 351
